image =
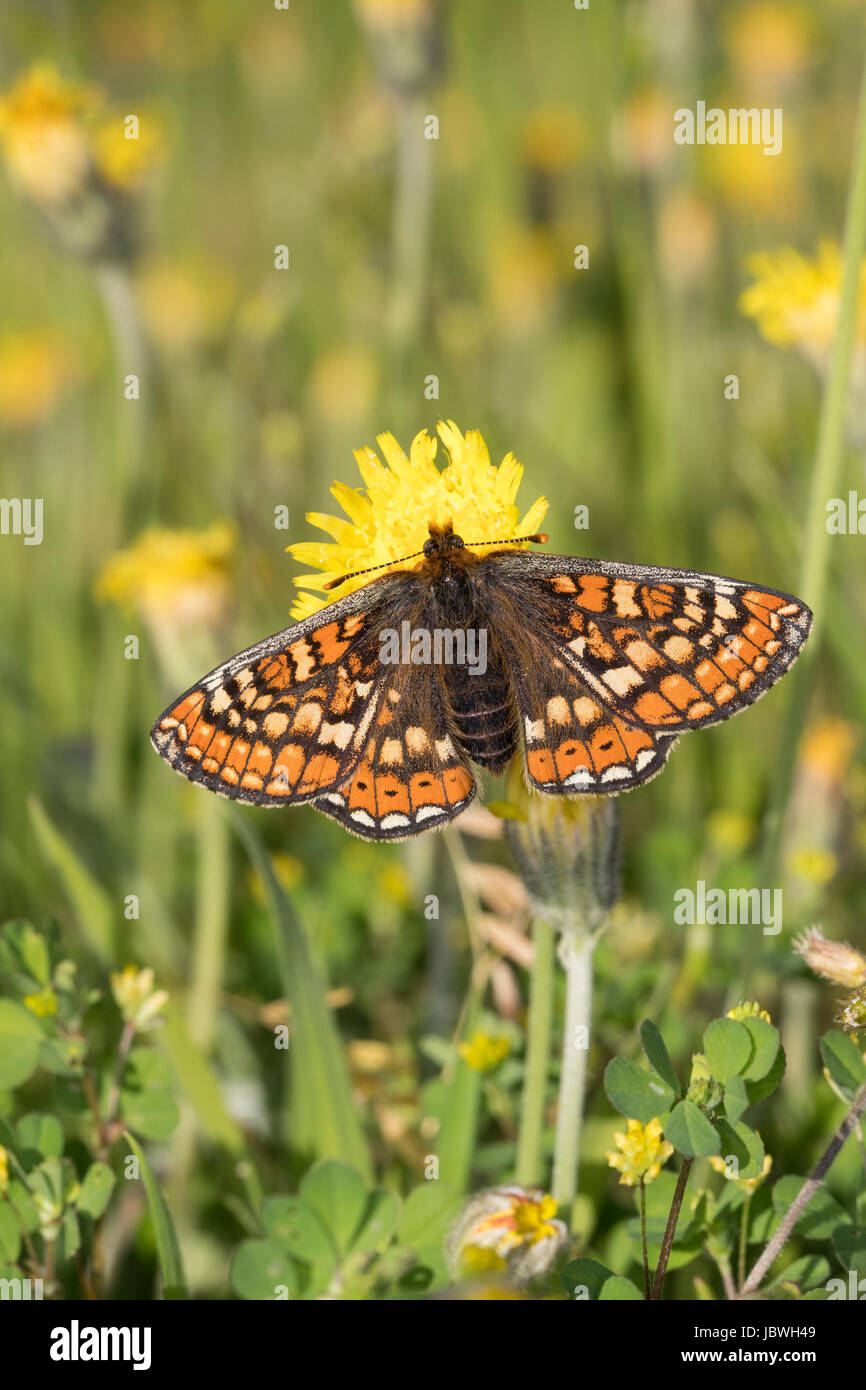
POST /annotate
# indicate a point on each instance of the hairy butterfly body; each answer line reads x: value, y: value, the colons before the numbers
x: 376, y: 708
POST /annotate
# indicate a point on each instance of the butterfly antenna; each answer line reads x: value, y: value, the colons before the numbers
x: 335, y: 583
x: 539, y: 538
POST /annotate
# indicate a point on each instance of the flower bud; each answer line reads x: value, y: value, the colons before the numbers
x: 832, y: 960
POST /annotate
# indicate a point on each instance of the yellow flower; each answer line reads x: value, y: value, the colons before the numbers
x: 750, y: 1009
x: 44, y: 138
x: 402, y: 495
x: 36, y: 370
x: 748, y: 1184
x: 813, y: 863
x: 124, y: 161
x: 4, y: 1169
x: 510, y: 1229
x: 827, y: 749
x: 43, y: 1004
x: 730, y: 831
x: 180, y: 576
x: 483, y: 1052
x: 795, y: 300
x: 186, y: 304
x: 833, y: 961
x: 642, y: 1151
x: 138, y: 1001
x: 771, y: 42
x: 552, y: 138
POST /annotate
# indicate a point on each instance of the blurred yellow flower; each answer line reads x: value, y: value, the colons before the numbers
x: 138, y: 1001
x: 795, y: 299
x: 640, y: 1152
x: 749, y: 1185
x: 770, y: 42
x: 394, y: 13
x: 523, y: 278
x: 402, y: 495
x: 642, y: 130
x: 43, y: 1004
x: 343, y: 383
x: 483, y: 1052
x: 4, y: 1169
x: 186, y: 304
x: 833, y: 961
x: 827, y: 749
x: 750, y: 1009
x: 43, y: 134
x: 124, y: 160
x: 36, y: 370
x: 812, y: 862
x: 751, y: 183
x: 511, y: 1229
x: 552, y: 138
x: 730, y: 831
x: 180, y: 577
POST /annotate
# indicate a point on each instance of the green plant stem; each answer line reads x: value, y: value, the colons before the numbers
x: 671, y: 1229
x: 643, y: 1243
x: 806, y: 1193
x: 824, y: 484
x: 412, y: 199
x: 744, y: 1239
x: 575, y: 954
x: 530, y: 1155
x: 211, y: 919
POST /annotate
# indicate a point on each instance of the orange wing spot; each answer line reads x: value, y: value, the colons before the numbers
x: 391, y: 793
x: 344, y: 693
x: 606, y: 747
x: 708, y: 676
x: 653, y: 709
x: 426, y: 790
x: 352, y: 626
x: 263, y: 702
x: 274, y: 671
x: 275, y: 724
x: 656, y: 602
x: 260, y: 760
x: 188, y: 711
x: 362, y: 796
x: 679, y: 691
x: 193, y: 753
x: 700, y: 709
x: 569, y: 756
x: 252, y: 781
x: 458, y: 784
x: 634, y: 740
x: 586, y: 711
x: 642, y: 655
x: 238, y: 754
x: 287, y: 769
x: 201, y: 735
x: 725, y: 693
x: 745, y: 679
x: 597, y: 645
x: 757, y: 632
x: 321, y: 771
x: 593, y: 593
x: 563, y: 584
x: 330, y: 647
x: 307, y: 718
x: 229, y: 775
x: 305, y: 663
x: 539, y: 761
x: 758, y: 598
x: 760, y: 663
x: 678, y: 648
x: 624, y: 599
x: 210, y: 764
x: 219, y: 747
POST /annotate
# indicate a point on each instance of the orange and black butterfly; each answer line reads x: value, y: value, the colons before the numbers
x: 366, y: 710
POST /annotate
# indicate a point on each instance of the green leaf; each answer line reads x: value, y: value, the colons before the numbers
x: 727, y: 1048
x: 146, y: 1103
x: 658, y: 1056
x: 63, y: 1056
x: 94, y: 911
x: 324, y: 1119
x: 39, y: 1136
x: 167, y: 1248
x: 843, y: 1061
x: 339, y: 1195
x: 427, y: 1214
x: 260, y: 1268
x: 96, y: 1189
x: 299, y: 1229
x: 740, y: 1142
x: 736, y: 1098
x: 69, y: 1238
x: 639, y: 1094
x: 585, y: 1274
x: 806, y: 1273
x: 379, y: 1223
x: 849, y: 1246
x: 460, y: 1107
x: 24, y: 948
x: 689, y: 1130
x: 10, y: 1233
x: 21, y: 1040
x: 759, y: 1090
x: 620, y: 1289
x: 823, y: 1214
x: 765, y: 1048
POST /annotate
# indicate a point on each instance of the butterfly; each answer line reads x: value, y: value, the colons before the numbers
x: 378, y: 708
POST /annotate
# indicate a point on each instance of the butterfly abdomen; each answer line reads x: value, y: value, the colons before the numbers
x: 483, y: 709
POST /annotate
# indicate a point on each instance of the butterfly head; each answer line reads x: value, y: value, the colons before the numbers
x: 442, y: 542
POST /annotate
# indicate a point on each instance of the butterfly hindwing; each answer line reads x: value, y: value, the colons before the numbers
x: 412, y: 776
x: 573, y: 743
x: 665, y: 649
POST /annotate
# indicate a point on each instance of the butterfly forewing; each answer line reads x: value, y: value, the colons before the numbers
x: 669, y: 650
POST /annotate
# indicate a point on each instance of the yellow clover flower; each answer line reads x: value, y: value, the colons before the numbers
x: 748, y: 1184
x: 749, y: 1009
x: 403, y: 494
x: 483, y: 1052
x: 641, y: 1152
x: 138, y: 1001
x: 511, y: 1230
x: 43, y: 134
x: 43, y: 1004
x: 177, y: 576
